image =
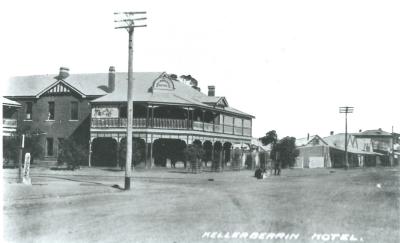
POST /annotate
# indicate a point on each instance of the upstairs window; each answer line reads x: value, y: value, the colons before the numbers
x: 51, y: 111
x: 247, y: 123
x: 123, y: 112
x: 238, y: 122
x: 28, y: 110
x: 74, y: 110
x: 228, y: 120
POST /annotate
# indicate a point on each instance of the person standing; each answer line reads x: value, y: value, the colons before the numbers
x: 277, y: 168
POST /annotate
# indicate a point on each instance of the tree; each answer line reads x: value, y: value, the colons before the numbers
x: 270, y: 137
x: 237, y: 158
x: 173, y: 76
x: 138, y: 152
x: 193, y: 154
x: 71, y: 153
x: 287, y: 151
x: 10, y: 150
x: 190, y: 79
x: 32, y: 141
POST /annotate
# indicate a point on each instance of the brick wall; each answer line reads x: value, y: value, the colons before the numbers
x: 62, y: 126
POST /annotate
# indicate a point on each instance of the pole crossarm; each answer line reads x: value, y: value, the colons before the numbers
x: 346, y: 109
x: 123, y: 20
x: 130, y: 26
x: 131, y: 13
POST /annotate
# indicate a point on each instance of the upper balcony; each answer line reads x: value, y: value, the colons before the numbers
x: 171, y: 124
x: 170, y: 118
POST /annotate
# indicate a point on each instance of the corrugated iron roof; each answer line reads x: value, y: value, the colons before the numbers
x: 88, y: 84
x: 93, y: 84
x: 374, y: 132
x: 9, y: 102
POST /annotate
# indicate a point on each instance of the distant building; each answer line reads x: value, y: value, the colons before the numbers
x: 327, y: 152
x: 382, y: 142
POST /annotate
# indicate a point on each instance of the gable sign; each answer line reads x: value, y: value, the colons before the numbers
x: 163, y: 83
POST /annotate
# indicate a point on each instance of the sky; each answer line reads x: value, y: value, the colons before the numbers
x: 291, y: 64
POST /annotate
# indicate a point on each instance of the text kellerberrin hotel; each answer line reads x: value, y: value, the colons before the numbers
x: 281, y: 236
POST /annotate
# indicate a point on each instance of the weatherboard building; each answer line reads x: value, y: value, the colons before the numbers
x: 92, y: 108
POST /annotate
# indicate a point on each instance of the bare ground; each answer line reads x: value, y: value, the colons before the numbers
x: 174, y: 206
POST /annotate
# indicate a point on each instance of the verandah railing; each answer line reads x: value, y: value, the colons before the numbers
x: 8, y: 122
x: 166, y: 123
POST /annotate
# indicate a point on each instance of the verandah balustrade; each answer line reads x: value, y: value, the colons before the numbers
x: 167, y: 123
x: 8, y: 122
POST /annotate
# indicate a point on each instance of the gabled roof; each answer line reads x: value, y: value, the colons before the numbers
x: 8, y: 102
x: 307, y: 140
x: 58, y: 85
x: 92, y: 84
x: 180, y: 94
x: 31, y: 86
x: 338, y: 140
x: 215, y: 101
x: 374, y: 132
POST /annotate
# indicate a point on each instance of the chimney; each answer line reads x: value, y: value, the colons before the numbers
x: 64, y: 73
x: 332, y: 133
x: 308, y: 136
x: 211, y: 90
x: 111, y: 79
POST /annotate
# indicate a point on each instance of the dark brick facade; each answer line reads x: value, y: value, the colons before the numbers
x: 62, y: 126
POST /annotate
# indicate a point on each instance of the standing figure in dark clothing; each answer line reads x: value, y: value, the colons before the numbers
x: 277, y: 167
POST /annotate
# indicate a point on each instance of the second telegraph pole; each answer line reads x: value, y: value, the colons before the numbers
x: 346, y: 110
x: 129, y: 25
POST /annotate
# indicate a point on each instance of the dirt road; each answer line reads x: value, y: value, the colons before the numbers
x: 172, y: 206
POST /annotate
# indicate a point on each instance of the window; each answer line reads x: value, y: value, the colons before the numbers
x: 28, y: 110
x: 123, y: 112
x: 51, y: 111
x: 74, y: 110
x: 49, y: 146
x: 228, y: 120
x: 247, y: 123
x: 238, y: 122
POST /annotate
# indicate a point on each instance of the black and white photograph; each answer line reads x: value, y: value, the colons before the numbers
x: 200, y: 121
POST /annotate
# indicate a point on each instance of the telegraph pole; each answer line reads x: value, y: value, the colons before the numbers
x: 346, y: 110
x: 128, y: 21
x: 21, y: 158
x: 392, y: 160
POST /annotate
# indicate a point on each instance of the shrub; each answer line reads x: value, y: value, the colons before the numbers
x: 193, y: 154
x: 71, y: 153
x: 138, y: 152
x: 237, y: 158
x: 10, y: 150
